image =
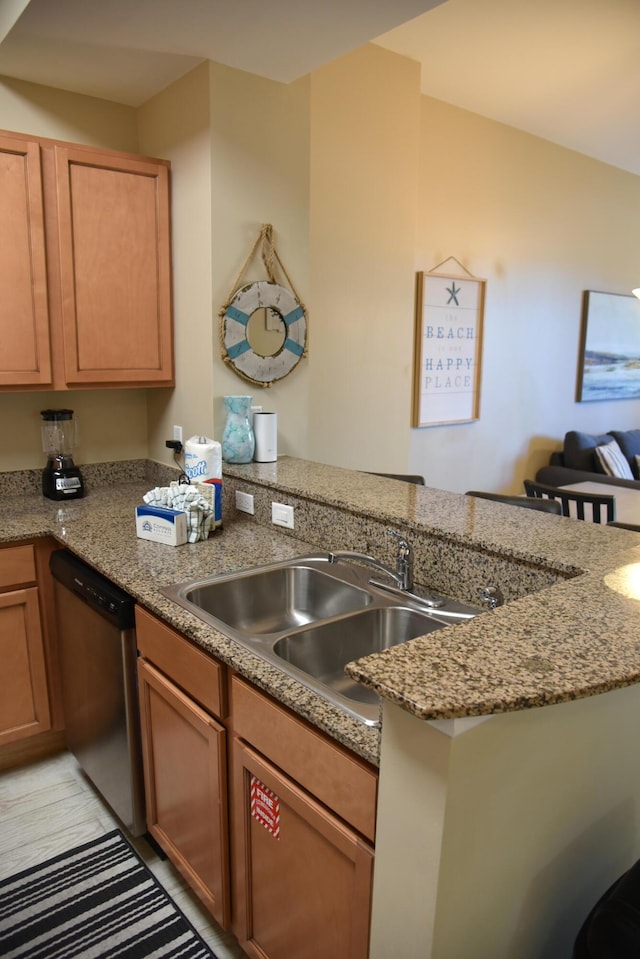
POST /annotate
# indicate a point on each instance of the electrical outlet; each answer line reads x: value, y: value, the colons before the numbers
x: 282, y: 515
x: 177, y: 433
x: 244, y: 502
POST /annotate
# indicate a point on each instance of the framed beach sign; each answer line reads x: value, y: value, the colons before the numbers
x: 447, y: 347
x: 609, y: 362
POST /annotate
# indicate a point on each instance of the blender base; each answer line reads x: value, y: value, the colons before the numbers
x: 62, y: 481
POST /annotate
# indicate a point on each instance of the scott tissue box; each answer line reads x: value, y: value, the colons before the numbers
x: 161, y: 525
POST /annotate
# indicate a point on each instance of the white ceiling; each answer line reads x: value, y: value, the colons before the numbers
x: 128, y: 50
x: 565, y: 70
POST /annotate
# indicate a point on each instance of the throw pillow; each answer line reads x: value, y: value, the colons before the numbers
x: 613, y: 461
x: 629, y: 443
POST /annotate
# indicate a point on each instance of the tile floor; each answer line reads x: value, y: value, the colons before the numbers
x: 50, y: 806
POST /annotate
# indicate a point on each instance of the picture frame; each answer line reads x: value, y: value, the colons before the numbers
x: 609, y: 357
x: 447, y: 347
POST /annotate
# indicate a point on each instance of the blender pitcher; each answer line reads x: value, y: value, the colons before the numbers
x: 61, y: 478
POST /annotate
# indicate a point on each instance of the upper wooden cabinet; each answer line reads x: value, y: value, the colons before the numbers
x: 86, y: 267
x: 25, y: 348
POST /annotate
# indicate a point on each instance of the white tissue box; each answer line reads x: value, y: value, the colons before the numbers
x: 161, y: 525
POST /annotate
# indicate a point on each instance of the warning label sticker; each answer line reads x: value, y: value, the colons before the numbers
x: 265, y: 807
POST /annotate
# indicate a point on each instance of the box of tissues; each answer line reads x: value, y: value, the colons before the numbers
x: 169, y: 502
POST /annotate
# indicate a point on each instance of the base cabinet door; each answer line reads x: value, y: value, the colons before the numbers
x: 184, y: 756
x: 24, y: 704
x: 302, y: 878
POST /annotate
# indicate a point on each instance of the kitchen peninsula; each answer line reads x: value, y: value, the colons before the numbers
x: 509, y: 789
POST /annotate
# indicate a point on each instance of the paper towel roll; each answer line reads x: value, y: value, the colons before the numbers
x: 202, y: 459
x: 265, y: 430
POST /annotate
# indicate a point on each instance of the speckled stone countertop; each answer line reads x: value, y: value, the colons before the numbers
x: 570, y: 626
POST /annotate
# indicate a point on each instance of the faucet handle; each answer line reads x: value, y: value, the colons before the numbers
x: 491, y: 596
x: 403, y: 545
x: 404, y: 561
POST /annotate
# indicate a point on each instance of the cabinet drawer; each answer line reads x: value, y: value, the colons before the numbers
x: 17, y: 566
x: 340, y: 780
x: 187, y: 666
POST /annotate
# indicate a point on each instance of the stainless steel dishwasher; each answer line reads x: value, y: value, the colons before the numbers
x: 96, y: 631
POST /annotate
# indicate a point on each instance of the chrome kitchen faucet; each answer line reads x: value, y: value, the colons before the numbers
x: 402, y: 576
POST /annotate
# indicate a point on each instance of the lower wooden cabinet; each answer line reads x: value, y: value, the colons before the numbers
x: 303, y: 812
x: 24, y: 704
x: 281, y: 847
x: 302, y: 881
x: 185, y: 764
x: 185, y: 781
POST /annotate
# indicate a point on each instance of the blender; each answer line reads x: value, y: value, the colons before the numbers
x: 61, y: 478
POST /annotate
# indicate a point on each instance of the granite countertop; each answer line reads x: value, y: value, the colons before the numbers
x: 575, y: 638
x: 578, y: 637
x: 100, y: 529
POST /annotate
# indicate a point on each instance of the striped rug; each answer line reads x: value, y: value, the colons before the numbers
x: 98, y: 901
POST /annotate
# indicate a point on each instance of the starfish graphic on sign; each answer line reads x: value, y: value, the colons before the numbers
x: 453, y: 293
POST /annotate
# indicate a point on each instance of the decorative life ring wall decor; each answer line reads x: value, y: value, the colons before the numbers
x: 251, y: 365
x: 263, y: 353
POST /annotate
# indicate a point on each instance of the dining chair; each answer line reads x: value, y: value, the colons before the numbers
x: 528, y: 502
x: 600, y: 503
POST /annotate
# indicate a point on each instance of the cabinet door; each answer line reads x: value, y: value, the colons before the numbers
x: 186, y: 786
x: 25, y: 353
x: 24, y: 703
x: 302, y: 879
x: 113, y: 216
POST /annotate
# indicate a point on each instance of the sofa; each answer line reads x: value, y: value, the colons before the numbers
x: 612, y: 458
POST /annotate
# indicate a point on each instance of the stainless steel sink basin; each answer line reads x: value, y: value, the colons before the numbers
x: 323, y: 650
x: 310, y: 617
x: 273, y: 600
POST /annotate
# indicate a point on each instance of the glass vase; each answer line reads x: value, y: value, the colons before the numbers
x: 238, y: 442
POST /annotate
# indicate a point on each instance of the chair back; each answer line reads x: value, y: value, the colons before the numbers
x: 597, y: 503
x: 528, y: 502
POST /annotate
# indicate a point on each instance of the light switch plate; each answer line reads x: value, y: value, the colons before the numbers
x: 244, y: 502
x: 282, y: 515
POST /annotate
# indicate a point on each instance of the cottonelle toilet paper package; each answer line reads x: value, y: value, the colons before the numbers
x: 203, y: 464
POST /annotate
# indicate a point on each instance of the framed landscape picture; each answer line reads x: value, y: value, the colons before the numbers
x: 609, y: 364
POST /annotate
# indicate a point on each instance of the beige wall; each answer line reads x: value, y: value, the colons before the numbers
x: 365, y: 182
x: 45, y: 112
x: 175, y: 125
x: 496, y: 837
x: 238, y: 146
x: 260, y: 174
x: 541, y: 224
x: 364, y: 151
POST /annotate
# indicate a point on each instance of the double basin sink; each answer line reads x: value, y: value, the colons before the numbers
x: 309, y: 617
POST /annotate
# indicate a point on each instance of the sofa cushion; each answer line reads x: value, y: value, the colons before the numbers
x: 580, y: 450
x: 613, y: 460
x: 629, y: 443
